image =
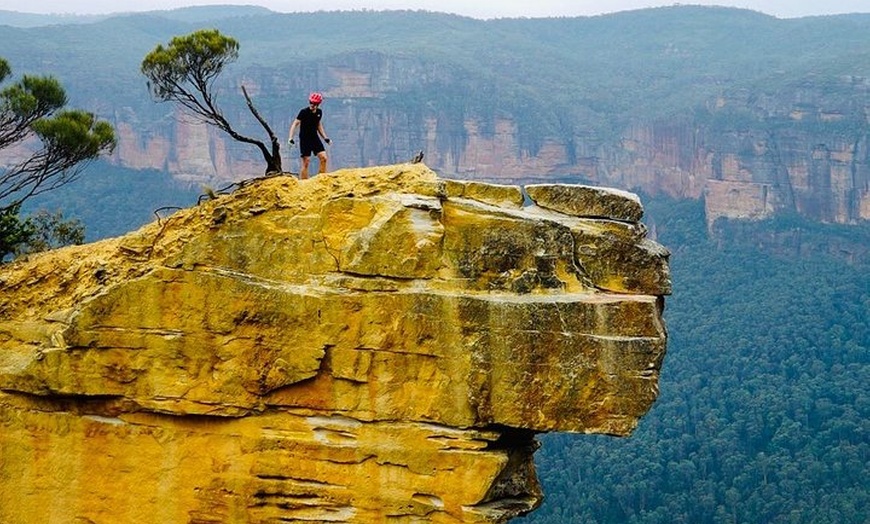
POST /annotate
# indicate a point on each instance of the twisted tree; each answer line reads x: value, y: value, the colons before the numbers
x: 184, y: 72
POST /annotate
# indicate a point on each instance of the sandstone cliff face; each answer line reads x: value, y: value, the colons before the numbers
x: 366, y: 346
x: 798, y: 156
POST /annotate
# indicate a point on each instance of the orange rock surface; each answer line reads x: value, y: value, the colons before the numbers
x: 366, y: 346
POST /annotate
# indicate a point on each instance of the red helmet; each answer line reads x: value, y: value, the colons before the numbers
x: 315, y: 98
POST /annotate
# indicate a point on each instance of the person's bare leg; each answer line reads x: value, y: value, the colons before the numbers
x: 303, y: 173
x: 324, y: 160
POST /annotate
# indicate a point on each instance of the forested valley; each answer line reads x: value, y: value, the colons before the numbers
x: 111, y: 200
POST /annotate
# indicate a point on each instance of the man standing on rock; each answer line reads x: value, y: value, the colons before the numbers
x: 310, y: 131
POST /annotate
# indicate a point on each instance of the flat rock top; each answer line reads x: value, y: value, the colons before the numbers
x: 61, y: 278
x: 56, y: 280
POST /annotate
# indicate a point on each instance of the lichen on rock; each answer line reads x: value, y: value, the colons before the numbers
x: 367, y: 345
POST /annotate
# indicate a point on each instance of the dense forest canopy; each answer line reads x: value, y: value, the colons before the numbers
x: 764, y: 413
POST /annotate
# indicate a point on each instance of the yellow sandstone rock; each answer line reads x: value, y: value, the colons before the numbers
x: 366, y: 346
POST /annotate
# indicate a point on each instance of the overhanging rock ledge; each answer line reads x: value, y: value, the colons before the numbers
x: 370, y: 345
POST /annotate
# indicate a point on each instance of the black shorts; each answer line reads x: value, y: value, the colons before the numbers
x: 312, y: 146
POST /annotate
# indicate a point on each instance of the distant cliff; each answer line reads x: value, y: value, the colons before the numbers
x: 805, y: 153
x: 368, y: 345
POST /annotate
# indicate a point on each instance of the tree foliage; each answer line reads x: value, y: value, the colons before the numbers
x: 13, y: 231
x: 51, y: 230
x: 30, y: 114
x: 185, y: 71
x: 30, y: 111
x: 40, y: 231
x: 25, y: 102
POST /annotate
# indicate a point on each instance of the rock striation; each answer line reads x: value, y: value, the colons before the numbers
x: 371, y: 345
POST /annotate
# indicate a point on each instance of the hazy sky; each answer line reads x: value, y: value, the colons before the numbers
x: 478, y: 9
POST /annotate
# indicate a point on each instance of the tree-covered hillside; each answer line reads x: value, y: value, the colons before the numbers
x: 764, y: 413
x: 608, y: 69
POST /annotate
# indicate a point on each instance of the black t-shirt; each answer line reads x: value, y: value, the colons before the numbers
x: 308, y: 122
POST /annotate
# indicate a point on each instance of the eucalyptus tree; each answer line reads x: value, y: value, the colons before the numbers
x: 185, y: 70
x: 58, y: 144
x: 42, y: 147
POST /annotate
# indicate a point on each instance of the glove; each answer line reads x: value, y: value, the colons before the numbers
x: 328, y: 141
x: 290, y: 142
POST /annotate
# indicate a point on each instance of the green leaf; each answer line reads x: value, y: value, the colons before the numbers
x: 32, y: 96
x: 5, y: 70
x: 196, y: 59
x: 14, y: 232
x: 76, y: 133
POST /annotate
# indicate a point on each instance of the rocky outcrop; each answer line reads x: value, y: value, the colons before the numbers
x: 366, y: 346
